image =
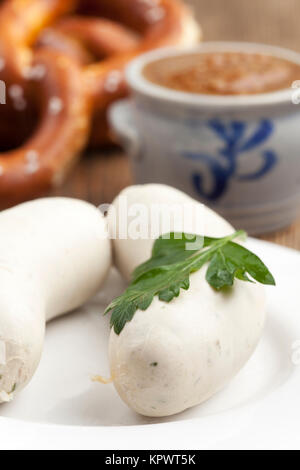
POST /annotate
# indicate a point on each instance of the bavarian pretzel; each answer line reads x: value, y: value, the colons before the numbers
x: 63, y: 64
x: 62, y: 131
x: 88, y: 39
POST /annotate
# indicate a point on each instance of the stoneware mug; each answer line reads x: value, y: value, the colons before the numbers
x: 238, y: 154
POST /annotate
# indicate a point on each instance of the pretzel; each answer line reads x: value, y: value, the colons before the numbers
x: 88, y: 39
x: 63, y: 63
x: 62, y: 131
x: 20, y: 23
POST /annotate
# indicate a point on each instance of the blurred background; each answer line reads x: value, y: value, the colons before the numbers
x: 268, y: 21
x: 103, y: 174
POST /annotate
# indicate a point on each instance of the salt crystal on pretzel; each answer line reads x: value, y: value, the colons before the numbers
x: 155, y: 14
x: 32, y: 161
x: 15, y: 92
x: 112, y: 81
x: 32, y: 156
x: 55, y: 105
x: 36, y: 72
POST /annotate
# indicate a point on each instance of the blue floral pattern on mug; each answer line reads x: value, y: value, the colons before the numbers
x: 235, y: 144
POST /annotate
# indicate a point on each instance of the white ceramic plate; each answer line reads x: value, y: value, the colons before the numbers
x: 63, y: 408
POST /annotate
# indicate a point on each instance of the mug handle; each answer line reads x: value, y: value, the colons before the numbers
x: 121, y: 120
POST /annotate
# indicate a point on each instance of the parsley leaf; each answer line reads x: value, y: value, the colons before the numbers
x: 177, y: 255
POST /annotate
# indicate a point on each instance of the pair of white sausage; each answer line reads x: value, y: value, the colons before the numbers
x: 54, y: 255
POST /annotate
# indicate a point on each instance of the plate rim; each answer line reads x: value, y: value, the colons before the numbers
x: 35, y: 435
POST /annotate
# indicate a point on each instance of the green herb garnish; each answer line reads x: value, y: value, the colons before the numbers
x: 168, y: 271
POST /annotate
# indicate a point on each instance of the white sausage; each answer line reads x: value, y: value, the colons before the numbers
x: 129, y: 253
x: 174, y: 356
x: 54, y: 255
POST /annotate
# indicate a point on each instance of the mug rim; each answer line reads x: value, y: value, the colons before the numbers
x: 139, y: 84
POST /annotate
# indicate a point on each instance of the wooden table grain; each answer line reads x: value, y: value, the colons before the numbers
x: 100, y: 176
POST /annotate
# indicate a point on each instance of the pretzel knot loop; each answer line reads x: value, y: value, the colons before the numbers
x: 62, y: 64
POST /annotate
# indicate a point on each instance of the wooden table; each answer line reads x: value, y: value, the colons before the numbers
x: 99, y: 177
